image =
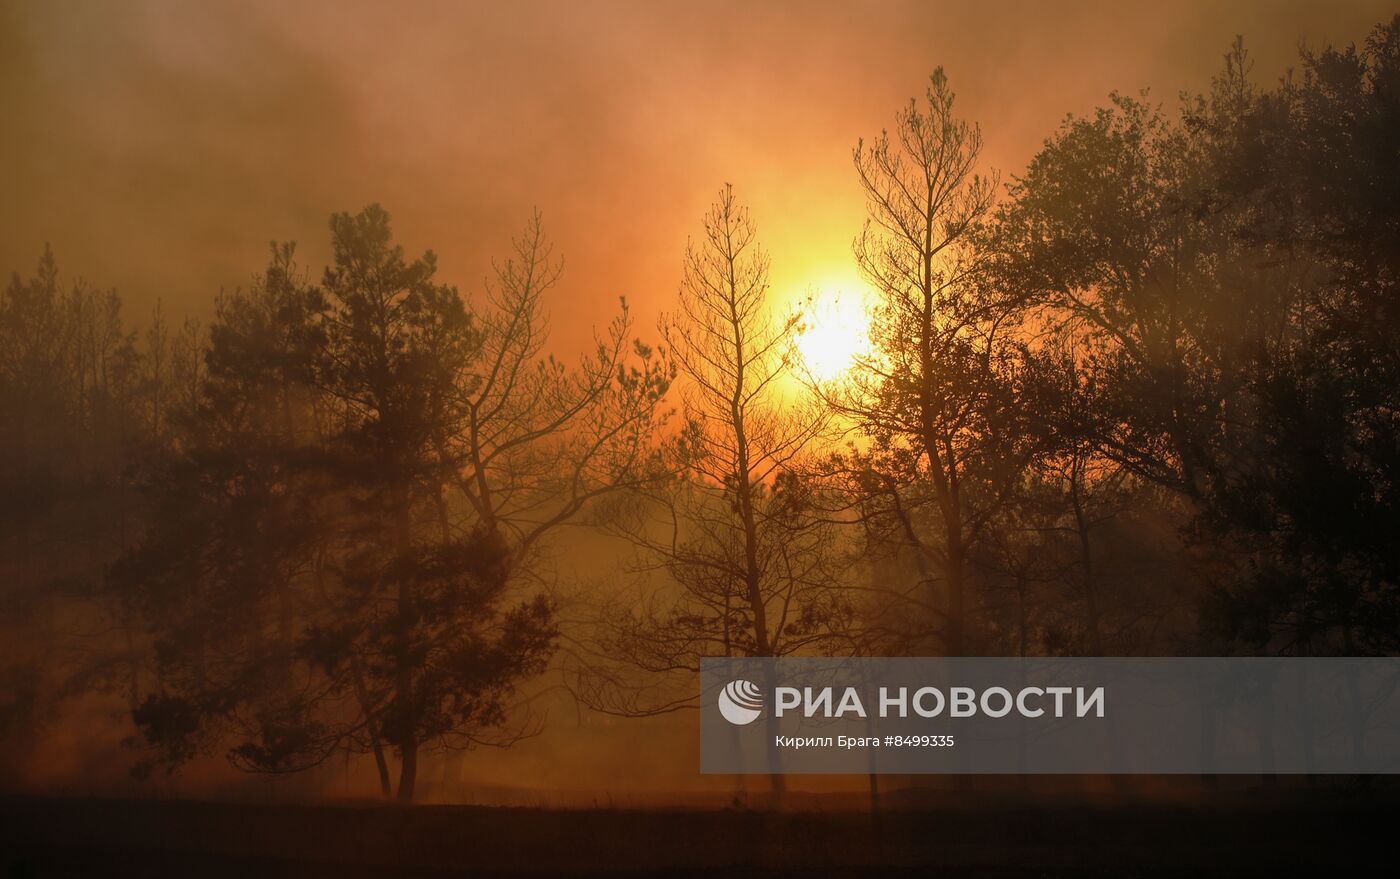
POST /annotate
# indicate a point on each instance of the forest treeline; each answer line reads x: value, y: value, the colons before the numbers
x: 1143, y: 398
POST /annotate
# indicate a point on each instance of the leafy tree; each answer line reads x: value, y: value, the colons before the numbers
x: 1310, y: 173
x: 1225, y: 276
x: 341, y: 600
x: 69, y: 417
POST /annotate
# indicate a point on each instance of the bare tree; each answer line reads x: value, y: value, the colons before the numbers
x: 535, y: 441
x: 737, y: 530
x: 936, y: 395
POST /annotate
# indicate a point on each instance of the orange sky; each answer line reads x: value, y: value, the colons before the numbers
x: 160, y: 146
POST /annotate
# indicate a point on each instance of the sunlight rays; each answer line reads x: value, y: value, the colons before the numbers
x: 835, y: 332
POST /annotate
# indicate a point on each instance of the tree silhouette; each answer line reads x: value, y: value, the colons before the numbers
x: 937, y: 398
x: 1237, y: 337
x: 70, y: 420
x: 330, y: 488
x: 738, y: 530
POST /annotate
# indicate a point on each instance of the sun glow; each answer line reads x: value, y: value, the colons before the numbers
x: 835, y: 333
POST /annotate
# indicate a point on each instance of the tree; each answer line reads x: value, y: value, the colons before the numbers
x: 937, y: 398
x: 1308, y: 173
x: 69, y: 419
x: 1101, y: 228
x: 530, y: 444
x: 1223, y: 275
x: 738, y: 530
x: 331, y: 490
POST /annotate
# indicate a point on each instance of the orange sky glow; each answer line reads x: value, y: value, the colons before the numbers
x: 159, y: 146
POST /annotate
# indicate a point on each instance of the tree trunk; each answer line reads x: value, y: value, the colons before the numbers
x: 403, y: 696
x: 408, y: 769
x: 953, y: 573
x: 406, y: 718
x: 1086, y: 556
x: 375, y: 739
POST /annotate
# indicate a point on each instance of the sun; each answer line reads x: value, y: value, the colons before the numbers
x: 835, y: 333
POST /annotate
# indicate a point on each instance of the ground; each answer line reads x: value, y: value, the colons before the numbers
x: 1270, y: 833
